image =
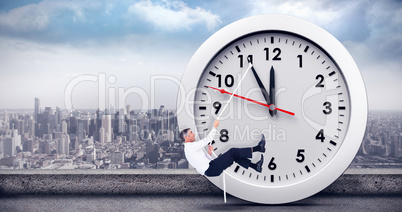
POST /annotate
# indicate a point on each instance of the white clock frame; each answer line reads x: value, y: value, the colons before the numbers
x: 357, y: 94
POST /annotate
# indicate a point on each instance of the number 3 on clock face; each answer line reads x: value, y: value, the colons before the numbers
x: 302, y: 70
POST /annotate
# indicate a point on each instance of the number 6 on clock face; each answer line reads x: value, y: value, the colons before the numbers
x: 304, y: 74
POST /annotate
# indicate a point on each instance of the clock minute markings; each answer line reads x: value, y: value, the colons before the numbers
x: 307, y: 168
x: 306, y: 49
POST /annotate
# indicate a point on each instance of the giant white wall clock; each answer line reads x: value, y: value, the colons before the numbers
x: 304, y: 93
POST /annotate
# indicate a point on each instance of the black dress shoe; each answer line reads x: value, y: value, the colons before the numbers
x: 261, y: 144
x: 259, y: 164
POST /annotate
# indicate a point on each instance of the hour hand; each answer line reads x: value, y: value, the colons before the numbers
x: 263, y: 90
x: 272, y: 89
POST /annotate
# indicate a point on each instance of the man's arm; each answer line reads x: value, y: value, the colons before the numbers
x: 211, y: 136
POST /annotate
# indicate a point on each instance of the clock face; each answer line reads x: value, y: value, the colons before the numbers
x: 308, y: 83
x: 292, y: 82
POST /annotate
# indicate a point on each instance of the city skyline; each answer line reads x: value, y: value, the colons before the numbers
x: 124, y: 46
x: 52, y: 139
x: 126, y: 139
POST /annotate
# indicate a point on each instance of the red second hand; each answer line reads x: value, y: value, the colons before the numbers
x: 223, y: 91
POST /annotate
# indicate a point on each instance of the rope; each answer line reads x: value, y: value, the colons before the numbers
x: 230, y: 99
x: 231, y: 96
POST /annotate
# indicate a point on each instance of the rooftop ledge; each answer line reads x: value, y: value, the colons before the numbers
x: 351, y: 171
x: 171, y: 181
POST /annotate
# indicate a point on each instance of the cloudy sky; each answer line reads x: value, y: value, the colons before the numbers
x: 118, y: 46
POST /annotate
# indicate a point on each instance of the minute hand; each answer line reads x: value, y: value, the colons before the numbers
x: 263, y: 90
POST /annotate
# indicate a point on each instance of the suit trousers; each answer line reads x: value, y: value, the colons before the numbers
x: 219, y: 164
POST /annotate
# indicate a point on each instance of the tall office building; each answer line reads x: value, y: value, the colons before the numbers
x: 133, y: 130
x: 63, y: 144
x: 9, y: 147
x: 28, y: 146
x: 17, y: 138
x: 5, y: 116
x: 128, y: 109
x: 161, y: 110
x: 80, y: 131
x: 58, y: 116
x: 121, y: 122
x: 64, y: 127
x: 31, y: 128
x: 36, y: 109
x: 107, y: 126
x: 10, y: 144
x: 102, y: 135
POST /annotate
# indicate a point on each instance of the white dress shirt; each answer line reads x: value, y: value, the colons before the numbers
x: 195, y: 152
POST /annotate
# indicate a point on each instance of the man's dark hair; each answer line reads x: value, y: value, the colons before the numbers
x: 183, y: 133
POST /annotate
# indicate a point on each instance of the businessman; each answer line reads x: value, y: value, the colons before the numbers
x: 206, y: 165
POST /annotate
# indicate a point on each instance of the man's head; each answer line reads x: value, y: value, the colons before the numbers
x: 187, y: 135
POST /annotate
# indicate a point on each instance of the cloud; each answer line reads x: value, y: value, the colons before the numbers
x: 173, y: 15
x: 375, y: 24
x: 37, y: 17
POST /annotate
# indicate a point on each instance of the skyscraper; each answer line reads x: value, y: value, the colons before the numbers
x: 31, y: 128
x: 63, y: 144
x: 36, y: 109
x: 58, y: 118
x: 107, y: 126
x: 102, y: 135
x: 11, y: 144
x: 128, y: 109
x: 9, y: 147
x: 121, y: 122
x: 64, y: 127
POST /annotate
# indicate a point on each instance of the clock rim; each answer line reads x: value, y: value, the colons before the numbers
x: 353, y: 79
